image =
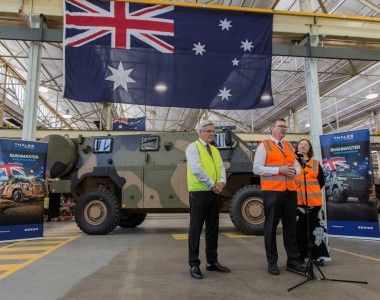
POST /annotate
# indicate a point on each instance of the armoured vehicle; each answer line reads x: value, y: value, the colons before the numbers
x: 18, y: 189
x: 342, y: 184
x: 116, y: 180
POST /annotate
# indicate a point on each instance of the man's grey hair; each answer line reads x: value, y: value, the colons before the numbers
x: 202, y: 124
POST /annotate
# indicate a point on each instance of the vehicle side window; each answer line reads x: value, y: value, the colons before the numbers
x: 220, y: 141
x: 151, y: 143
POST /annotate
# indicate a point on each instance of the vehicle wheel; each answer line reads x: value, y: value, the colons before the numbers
x: 131, y: 221
x: 363, y: 198
x: 18, y: 196
x: 97, y: 212
x: 337, y: 196
x: 247, y: 210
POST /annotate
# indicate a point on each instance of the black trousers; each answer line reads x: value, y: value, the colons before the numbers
x: 280, y: 205
x: 204, y: 207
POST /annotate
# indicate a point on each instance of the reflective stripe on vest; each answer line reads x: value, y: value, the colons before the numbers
x: 278, y: 158
x: 210, y: 165
x: 314, y: 194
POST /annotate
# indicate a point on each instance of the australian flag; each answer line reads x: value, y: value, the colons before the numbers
x: 170, y: 56
x: 129, y: 124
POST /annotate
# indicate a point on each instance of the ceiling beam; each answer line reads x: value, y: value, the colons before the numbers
x: 278, y: 49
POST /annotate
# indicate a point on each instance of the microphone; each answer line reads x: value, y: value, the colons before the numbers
x: 301, y: 159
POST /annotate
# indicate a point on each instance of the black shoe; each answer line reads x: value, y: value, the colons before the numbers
x: 195, y: 272
x: 273, y: 269
x: 296, y: 268
x: 217, y: 267
x: 319, y: 263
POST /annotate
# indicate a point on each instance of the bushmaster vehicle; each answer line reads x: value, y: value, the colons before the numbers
x: 342, y: 184
x: 118, y: 179
x: 18, y: 189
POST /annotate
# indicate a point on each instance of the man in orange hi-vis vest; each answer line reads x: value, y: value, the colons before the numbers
x: 275, y: 162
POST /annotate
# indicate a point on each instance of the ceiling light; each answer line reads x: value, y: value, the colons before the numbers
x: 371, y: 95
x: 43, y: 89
x: 266, y: 97
x: 161, y: 87
x: 67, y: 115
x: 307, y: 125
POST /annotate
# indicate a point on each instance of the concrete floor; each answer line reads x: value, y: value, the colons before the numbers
x: 148, y: 263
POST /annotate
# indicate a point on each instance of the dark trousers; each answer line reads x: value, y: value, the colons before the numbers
x: 280, y: 205
x: 204, y: 207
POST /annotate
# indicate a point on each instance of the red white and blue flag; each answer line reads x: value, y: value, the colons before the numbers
x: 129, y: 124
x: 9, y: 169
x: 334, y: 163
x: 167, y: 56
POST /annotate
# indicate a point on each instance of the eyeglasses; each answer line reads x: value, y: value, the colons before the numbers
x: 282, y: 126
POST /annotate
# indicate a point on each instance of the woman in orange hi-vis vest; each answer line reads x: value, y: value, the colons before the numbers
x: 310, y: 195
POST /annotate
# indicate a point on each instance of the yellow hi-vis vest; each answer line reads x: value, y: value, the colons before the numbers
x: 210, y: 165
x: 313, y: 190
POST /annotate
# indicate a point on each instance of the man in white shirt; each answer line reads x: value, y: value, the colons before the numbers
x: 206, y: 179
x: 275, y: 162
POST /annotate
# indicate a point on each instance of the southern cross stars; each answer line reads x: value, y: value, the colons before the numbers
x: 235, y: 62
x: 246, y: 45
x: 199, y: 49
x: 225, y: 24
x: 120, y: 77
x: 224, y: 93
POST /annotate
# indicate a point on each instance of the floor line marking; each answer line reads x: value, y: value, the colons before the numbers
x: 23, y: 248
x: 237, y: 235
x: 180, y: 236
x: 8, y: 267
x: 35, y: 256
x: 359, y: 255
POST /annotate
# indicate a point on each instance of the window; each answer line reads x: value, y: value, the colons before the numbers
x: 103, y: 145
x: 150, y: 143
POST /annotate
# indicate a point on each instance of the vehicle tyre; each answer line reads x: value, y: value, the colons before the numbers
x: 247, y: 210
x: 18, y: 196
x: 131, y: 221
x: 98, y: 212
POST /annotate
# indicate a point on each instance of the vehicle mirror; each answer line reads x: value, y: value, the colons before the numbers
x: 228, y: 138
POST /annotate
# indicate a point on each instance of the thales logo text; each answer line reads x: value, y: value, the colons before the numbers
x: 24, y: 146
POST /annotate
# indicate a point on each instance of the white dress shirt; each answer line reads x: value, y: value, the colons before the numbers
x: 193, y: 159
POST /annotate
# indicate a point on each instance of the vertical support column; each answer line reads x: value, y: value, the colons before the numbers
x: 293, y: 121
x: 32, y: 84
x: 312, y: 89
x: 3, y: 82
x: 252, y: 123
x: 108, y: 109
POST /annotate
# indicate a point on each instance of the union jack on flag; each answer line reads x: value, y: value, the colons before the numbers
x: 129, y: 124
x: 334, y: 163
x: 9, y: 169
x: 93, y: 22
x: 165, y: 55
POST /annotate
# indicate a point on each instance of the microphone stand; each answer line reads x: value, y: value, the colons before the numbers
x: 309, y: 273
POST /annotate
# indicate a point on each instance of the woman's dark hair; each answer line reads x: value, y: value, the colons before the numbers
x: 310, y: 154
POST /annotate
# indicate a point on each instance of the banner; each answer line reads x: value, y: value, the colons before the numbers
x: 133, y: 124
x: 346, y: 161
x: 22, y: 189
x: 168, y: 56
